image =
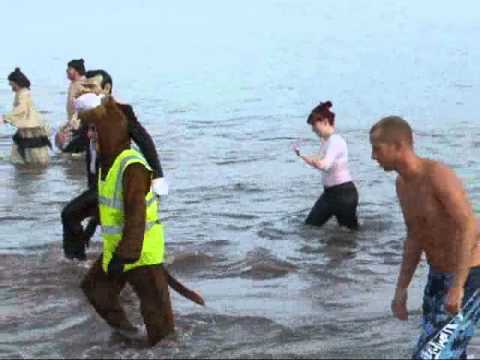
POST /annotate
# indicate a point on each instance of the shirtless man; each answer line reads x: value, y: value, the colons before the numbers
x: 68, y: 139
x: 440, y: 223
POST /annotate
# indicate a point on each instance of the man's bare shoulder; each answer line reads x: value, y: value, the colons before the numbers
x: 440, y: 175
x: 435, y: 165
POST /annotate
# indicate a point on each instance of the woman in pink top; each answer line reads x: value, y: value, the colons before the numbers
x: 340, y: 198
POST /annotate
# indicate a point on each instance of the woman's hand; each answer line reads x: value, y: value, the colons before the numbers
x: 296, y: 149
x: 310, y: 160
x: 1, y: 119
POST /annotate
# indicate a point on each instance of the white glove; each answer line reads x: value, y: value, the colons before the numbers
x: 160, y: 186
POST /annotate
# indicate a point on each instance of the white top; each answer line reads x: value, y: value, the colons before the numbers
x: 93, y: 157
x: 334, y: 152
x: 24, y: 114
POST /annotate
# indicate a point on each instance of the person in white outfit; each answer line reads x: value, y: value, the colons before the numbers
x: 30, y: 142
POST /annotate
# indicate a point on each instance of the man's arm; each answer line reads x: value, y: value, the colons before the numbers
x: 74, y: 91
x: 449, y: 190
x: 412, y: 252
x: 70, y: 108
x: 136, y: 184
x: 144, y: 141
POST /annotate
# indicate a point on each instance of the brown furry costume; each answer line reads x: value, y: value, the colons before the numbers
x: 150, y: 283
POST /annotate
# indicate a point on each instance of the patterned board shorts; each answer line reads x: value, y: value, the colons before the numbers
x: 434, y: 314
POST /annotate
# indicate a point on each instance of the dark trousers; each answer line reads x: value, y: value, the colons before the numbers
x: 150, y: 285
x: 340, y: 201
x: 79, y: 142
x: 75, y: 238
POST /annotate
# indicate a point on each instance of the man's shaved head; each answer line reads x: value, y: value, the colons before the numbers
x: 392, y: 129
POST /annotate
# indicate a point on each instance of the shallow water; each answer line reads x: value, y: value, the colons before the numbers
x: 224, y: 89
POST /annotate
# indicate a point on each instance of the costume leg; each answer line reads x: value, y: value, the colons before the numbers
x: 103, y: 293
x: 74, y: 239
x: 150, y: 284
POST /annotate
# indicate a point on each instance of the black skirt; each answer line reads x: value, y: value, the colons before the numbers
x: 32, y: 144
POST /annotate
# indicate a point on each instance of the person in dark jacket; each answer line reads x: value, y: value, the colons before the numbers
x: 75, y: 237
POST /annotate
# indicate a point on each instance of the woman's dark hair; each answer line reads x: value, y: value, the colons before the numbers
x: 19, y: 78
x: 77, y: 64
x: 106, y: 78
x: 323, y: 110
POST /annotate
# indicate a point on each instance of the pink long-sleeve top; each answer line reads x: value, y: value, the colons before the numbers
x: 334, y: 152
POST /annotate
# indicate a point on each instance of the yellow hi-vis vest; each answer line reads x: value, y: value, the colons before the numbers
x: 110, y: 202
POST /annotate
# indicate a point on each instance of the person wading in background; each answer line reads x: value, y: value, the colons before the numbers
x: 30, y: 142
x: 340, y: 196
x: 68, y: 139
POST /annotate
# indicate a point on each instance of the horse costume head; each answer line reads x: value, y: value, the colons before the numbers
x: 110, y: 123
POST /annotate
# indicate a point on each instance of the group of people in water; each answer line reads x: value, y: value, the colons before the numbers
x: 124, y: 186
x: 123, y: 200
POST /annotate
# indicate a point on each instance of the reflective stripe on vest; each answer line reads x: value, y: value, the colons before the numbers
x: 117, y: 203
x: 110, y: 202
x: 118, y: 230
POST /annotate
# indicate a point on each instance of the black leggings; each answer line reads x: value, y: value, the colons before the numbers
x: 340, y: 201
